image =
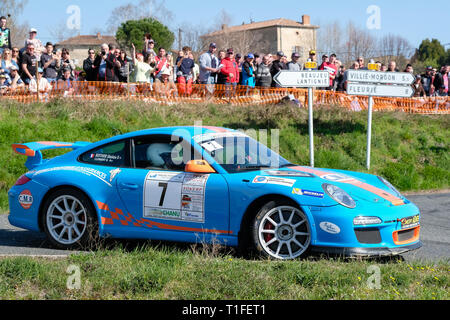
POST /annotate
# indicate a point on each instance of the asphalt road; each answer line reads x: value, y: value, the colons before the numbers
x: 435, y: 233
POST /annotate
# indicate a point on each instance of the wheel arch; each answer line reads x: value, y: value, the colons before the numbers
x: 250, y: 213
x: 56, y: 188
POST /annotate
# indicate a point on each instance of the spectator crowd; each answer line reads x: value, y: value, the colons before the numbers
x: 40, y: 67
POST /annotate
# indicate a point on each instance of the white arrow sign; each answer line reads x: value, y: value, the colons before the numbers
x: 368, y: 76
x: 302, y: 79
x: 377, y: 90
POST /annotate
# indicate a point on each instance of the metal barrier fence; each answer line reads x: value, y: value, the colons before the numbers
x: 221, y: 94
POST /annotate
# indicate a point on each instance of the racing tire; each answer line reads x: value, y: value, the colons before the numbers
x: 69, y: 220
x: 281, y: 231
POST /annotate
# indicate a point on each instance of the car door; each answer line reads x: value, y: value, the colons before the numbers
x: 159, y: 194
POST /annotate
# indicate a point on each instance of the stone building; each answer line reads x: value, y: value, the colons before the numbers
x: 268, y: 36
x: 78, y: 46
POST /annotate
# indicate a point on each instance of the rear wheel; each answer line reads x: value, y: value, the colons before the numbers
x: 281, y: 231
x: 69, y: 219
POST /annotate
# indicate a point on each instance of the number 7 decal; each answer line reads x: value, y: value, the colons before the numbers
x: 163, y: 193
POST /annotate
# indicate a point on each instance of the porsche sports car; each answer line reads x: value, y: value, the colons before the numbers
x: 207, y: 184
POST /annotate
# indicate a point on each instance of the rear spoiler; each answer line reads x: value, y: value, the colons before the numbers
x: 33, y: 150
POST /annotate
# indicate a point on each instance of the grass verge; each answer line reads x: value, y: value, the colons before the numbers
x: 161, y: 272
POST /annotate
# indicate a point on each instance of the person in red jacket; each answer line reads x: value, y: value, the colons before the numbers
x: 230, y: 70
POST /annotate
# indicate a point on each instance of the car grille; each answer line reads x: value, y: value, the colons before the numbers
x: 368, y: 235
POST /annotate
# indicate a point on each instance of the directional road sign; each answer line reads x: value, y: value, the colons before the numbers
x: 369, y: 76
x: 379, y: 90
x: 302, y: 79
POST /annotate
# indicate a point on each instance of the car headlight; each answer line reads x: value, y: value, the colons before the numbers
x: 339, y: 195
x: 361, y: 221
x: 390, y: 186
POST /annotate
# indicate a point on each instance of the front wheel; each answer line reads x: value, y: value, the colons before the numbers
x: 69, y: 219
x: 281, y: 231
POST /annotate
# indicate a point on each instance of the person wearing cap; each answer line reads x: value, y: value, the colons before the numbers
x: 5, y: 35
x: 149, y: 46
x: 419, y: 91
x: 38, y: 46
x: 248, y: 74
x: 312, y: 55
x: 166, y: 87
x: 209, y: 64
x: 294, y: 65
x: 3, y: 84
x: 427, y: 80
x: 14, y: 79
x: 50, y: 62
x: 44, y: 85
x: 277, y: 66
x: 230, y: 70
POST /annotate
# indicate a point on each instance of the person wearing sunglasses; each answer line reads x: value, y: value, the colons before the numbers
x: 89, y: 67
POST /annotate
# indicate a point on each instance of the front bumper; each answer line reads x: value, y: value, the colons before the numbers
x: 366, y: 252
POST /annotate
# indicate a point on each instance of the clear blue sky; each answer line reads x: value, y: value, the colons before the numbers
x: 413, y: 19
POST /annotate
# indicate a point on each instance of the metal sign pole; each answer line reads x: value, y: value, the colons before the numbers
x: 311, y: 127
x: 369, y: 131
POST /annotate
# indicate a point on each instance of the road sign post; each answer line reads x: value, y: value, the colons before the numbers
x: 305, y: 79
x: 373, y: 83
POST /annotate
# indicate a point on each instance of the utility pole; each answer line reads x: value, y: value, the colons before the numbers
x: 179, y: 38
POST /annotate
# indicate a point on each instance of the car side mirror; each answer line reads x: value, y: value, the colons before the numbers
x: 199, y: 166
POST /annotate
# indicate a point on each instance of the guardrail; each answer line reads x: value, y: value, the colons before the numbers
x: 221, y: 94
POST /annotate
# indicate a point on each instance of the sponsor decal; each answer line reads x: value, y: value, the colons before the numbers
x: 113, y: 173
x: 329, y: 227
x: 102, y: 157
x: 26, y: 199
x: 84, y: 170
x: 175, y: 195
x: 274, y: 180
x: 289, y: 173
x: 309, y: 193
x: 201, y: 138
x: 410, y: 222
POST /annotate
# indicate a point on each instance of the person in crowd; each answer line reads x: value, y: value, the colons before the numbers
x: 161, y: 64
x: 277, y: 66
x: 15, y: 55
x: 51, y: 63
x: 124, y: 71
x: 294, y: 64
x: 312, y: 55
x: 112, y: 64
x: 7, y: 62
x: 441, y: 82
x: 3, y: 84
x: 5, y: 35
x: 66, y: 63
x: 38, y: 46
x: 195, y: 70
x: 29, y: 64
x: 100, y: 62
x: 184, y: 74
x: 340, y: 79
x: 44, y: 84
x: 409, y: 68
x: 165, y: 87
x: 427, y: 80
x: 14, y: 80
x: 361, y: 63
x: 392, y: 67
x: 419, y: 91
x: 257, y: 60
x: 328, y: 64
x: 209, y: 64
x: 263, y: 75
x: 221, y: 78
x: 65, y: 82
x: 230, y: 70
x: 89, y: 66
x: 142, y: 70
x: 383, y: 67
x: 149, y: 45
x: 239, y: 61
x: 248, y: 72
x: 151, y: 60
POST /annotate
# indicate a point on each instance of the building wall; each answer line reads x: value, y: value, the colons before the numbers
x: 297, y: 39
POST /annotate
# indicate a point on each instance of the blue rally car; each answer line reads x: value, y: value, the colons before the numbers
x: 205, y: 184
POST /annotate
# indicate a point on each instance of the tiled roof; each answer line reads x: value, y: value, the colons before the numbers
x: 263, y: 24
x: 88, y: 40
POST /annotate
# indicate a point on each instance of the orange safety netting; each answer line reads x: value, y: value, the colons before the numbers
x: 221, y: 94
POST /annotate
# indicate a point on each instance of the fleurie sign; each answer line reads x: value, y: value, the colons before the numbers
x: 379, y: 90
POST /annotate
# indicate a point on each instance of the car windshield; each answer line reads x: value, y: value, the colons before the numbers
x: 237, y: 152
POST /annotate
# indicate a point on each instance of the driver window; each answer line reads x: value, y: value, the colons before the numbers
x: 160, y: 153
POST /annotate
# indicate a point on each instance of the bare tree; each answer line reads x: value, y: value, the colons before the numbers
x: 60, y: 31
x: 144, y: 9
x: 13, y: 9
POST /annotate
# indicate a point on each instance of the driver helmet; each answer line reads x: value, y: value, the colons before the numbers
x: 157, y: 153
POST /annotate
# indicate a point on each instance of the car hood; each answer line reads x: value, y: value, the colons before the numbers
x: 308, y: 181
